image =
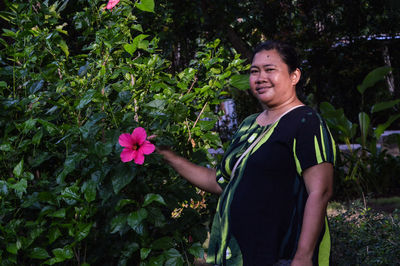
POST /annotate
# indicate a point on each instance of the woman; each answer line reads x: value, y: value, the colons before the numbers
x: 276, y: 177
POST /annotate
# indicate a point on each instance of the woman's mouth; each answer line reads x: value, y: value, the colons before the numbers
x: 261, y: 90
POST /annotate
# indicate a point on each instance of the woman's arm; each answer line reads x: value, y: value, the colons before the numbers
x: 202, y: 177
x: 319, y: 183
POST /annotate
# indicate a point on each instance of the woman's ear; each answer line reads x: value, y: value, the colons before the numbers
x: 295, y: 75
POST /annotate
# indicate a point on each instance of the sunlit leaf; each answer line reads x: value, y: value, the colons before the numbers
x: 382, y: 127
x: 384, y: 105
x: 149, y: 198
x: 146, y: 5
x: 64, y: 47
x: 19, y: 168
x: 174, y: 258
x: 87, y: 98
x: 240, y: 81
x: 197, y: 250
x: 38, y: 253
x: 83, y: 231
x: 36, y: 86
x: 144, y: 252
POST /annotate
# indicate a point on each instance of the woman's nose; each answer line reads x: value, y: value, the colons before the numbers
x: 261, y: 77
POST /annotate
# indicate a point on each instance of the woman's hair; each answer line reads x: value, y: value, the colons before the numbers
x: 286, y: 52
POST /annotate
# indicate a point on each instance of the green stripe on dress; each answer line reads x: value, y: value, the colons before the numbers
x: 298, y: 166
x: 266, y: 137
x: 325, y: 247
x: 317, y: 150
x: 323, y: 140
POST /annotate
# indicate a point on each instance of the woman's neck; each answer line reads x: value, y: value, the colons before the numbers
x: 272, y: 113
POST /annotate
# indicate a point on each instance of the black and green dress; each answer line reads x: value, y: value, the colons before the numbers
x: 260, y: 212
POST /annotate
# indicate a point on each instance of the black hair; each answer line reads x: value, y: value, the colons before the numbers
x: 286, y: 52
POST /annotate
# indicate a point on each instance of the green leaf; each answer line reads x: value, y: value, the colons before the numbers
x: 156, y: 261
x: 146, y: 5
x: 121, y: 203
x: 12, y: 248
x: 197, y: 250
x: 83, y: 231
x: 38, y: 253
x: 87, y: 98
x: 338, y: 121
x: 64, y: 47
x: 135, y: 219
x: 373, y: 77
x: 163, y: 243
x: 384, y: 105
x: 240, y: 81
x: 364, y: 127
x: 29, y: 124
x: 103, y: 149
x: 63, y: 253
x: 90, y: 126
x: 127, y: 253
x: 83, y: 69
x: 37, y: 137
x: 118, y: 223
x: 174, y: 258
x: 89, y: 189
x: 20, y: 187
x: 158, y: 104
x: 70, y: 195
x: 149, y: 198
x: 3, y: 84
x: 38, y: 160
x: 137, y: 27
x: 60, y: 213
x: 9, y: 33
x: 36, y: 86
x: 50, y: 127
x: 144, y: 252
x: 207, y: 125
x: 123, y: 176
x: 19, y: 168
x: 5, y: 147
x: 130, y: 48
x: 70, y: 165
x: 382, y: 127
x: 53, y: 234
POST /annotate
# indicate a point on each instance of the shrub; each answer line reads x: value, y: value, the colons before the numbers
x: 66, y: 197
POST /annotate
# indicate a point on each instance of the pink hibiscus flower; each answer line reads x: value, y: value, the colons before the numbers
x: 112, y: 3
x: 136, y: 146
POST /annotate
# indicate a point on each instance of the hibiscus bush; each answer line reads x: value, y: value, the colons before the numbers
x: 74, y: 78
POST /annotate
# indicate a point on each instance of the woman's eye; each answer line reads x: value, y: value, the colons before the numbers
x: 253, y: 71
x: 269, y: 69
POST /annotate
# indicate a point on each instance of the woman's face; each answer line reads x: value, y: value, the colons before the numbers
x: 270, y: 80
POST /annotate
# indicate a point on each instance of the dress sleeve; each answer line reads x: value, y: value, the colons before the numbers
x: 313, y: 143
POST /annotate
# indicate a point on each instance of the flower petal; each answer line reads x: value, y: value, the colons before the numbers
x: 127, y: 155
x: 139, y: 135
x: 139, y: 157
x: 125, y: 140
x: 111, y: 4
x: 147, y: 147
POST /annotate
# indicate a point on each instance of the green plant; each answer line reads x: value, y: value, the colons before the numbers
x: 65, y: 195
x: 370, y: 168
